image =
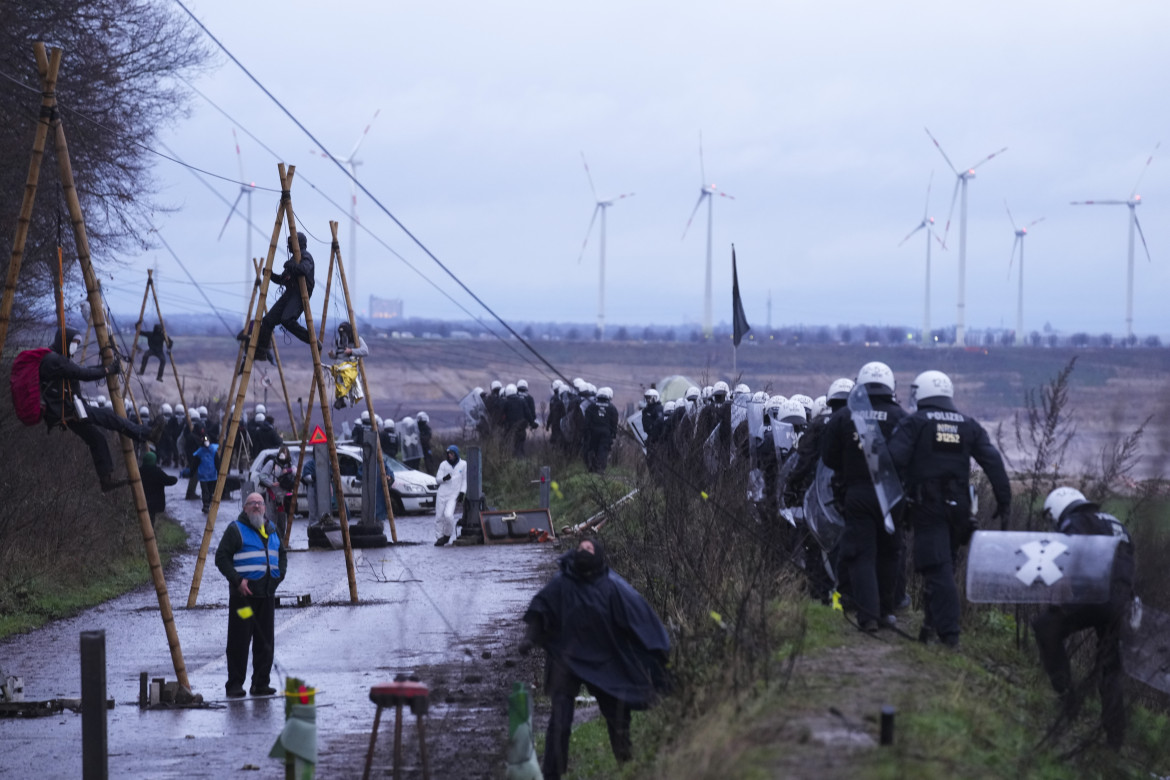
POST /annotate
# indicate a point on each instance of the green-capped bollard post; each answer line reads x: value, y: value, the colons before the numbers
x: 297, y: 743
x: 522, y: 763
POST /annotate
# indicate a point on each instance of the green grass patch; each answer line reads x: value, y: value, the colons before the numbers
x: 43, y: 599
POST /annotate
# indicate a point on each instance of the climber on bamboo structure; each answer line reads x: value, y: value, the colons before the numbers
x: 289, y: 307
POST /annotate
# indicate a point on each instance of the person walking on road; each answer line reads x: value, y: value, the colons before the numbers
x: 254, y: 560
x: 598, y: 631
x: 452, y: 479
x: 154, y: 484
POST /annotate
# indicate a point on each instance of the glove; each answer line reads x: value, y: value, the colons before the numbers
x: 459, y: 498
x: 447, y: 478
x: 1002, y: 513
x: 115, y: 367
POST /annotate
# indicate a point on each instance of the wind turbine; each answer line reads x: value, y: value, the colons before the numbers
x: 709, y: 192
x: 1133, y: 202
x: 961, y: 183
x: 352, y: 162
x: 927, y: 223
x: 601, y: 207
x: 245, y: 189
x: 1020, y: 233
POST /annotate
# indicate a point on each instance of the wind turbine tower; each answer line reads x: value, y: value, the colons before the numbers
x: 926, y: 224
x: 961, y: 180
x: 1132, y: 202
x: 600, y: 207
x: 352, y: 162
x: 709, y: 192
x: 246, y: 188
x: 1020, y: 233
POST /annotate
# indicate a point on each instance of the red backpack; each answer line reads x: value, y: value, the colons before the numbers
x: 26, y: 384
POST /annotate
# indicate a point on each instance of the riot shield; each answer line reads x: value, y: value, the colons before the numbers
x: 795, y: 514
x: 739, y: 409
x: 411, y: 444
x: 784, y: 439
x: 755, y: 419
x: 472, y: 408
x: 820, y: 510
x: 1145, y: 646
x: 634, y: 423
x: 1028, y: 567
x: 877, y: 457
x: 712, y: 452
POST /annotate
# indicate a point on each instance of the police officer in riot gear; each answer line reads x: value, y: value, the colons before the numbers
x: 1069, y: 513
x: 601, y: 423
x: 652, y: 418
x: 869, y: 554
x: 932, y: 449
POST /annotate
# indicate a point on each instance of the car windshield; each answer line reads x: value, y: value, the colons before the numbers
x: 394, y: 465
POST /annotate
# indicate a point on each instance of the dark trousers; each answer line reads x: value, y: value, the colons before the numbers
x: 941, y: 599
x: 162, y: 363
x: 870, y: 555
x: 1055, y: 625
x: 89, y: 431
x: 285, y: 312
x: 207, y: 491
x: 256, y: 632
x: 192, y: 478
x: 562, y: 687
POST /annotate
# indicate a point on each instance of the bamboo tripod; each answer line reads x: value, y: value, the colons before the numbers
x: 319, y: 379
x: 240, y: 357
x: 284, y: 213
x: 152, y: 292
x: 48, y: 65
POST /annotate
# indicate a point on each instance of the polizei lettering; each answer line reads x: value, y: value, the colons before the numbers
x: 871, y: 414
x: 947, y: 416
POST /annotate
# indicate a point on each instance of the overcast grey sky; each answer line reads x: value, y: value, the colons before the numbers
x: 812, y: 116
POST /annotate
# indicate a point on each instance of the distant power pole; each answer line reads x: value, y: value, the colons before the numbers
x: 769, y: 311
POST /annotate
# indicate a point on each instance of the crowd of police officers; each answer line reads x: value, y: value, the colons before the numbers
x: 784, y: 445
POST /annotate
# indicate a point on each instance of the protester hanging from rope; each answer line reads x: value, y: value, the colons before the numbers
x: 64, y: 407
x: 347, y: 388
x: 156, y: 341
x: 288, y: 307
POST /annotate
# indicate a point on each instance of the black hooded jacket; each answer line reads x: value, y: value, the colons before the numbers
x: 291, y: 271
x: 60, y: 378
x: 597, y: 625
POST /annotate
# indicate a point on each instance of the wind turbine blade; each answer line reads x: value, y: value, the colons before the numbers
x: 989, y: 157
x: 1145, y: 168
x: 940, y: 150
x: 1097, y: 203
x: 1009, y: 213
x: 1145, y: 246
x: 1036, y: 222
x: 623, y: 196
x: 722, y: 194
x: 361, y: 138
x: 702, y: 167
x: 589, y: 232
x: 926, y: 206
x: 702, y: 195
x: 590, y: 177
x: 942, y: 244
x: 230, y: 213
x: 239, y: 157
x: 921, y: 225
x: 951, y: 212
x: 1012, y: 257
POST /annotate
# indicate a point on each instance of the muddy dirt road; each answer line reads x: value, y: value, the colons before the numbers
x: 451, y: 615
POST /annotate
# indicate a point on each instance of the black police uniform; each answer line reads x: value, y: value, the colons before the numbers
x: 601, y: 423
x: 1057, y: 623
x: 869, y: 554
x: 932, y: 450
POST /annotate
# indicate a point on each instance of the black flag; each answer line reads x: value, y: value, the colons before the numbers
x: 738, y: 317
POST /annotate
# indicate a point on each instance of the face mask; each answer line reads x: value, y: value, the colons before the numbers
x: 72, y: 348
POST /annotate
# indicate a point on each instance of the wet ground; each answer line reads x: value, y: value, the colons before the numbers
x: 450, y: 615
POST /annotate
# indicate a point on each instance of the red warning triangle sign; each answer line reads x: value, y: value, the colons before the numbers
x: 318, y: 436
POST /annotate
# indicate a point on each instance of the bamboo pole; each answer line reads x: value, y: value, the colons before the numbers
x: 292, y: 420
x: 241, y: 392
x: 365, y: 389
x: 48, y: 71
x: 326, y: 413
x: 170, y: 356
x: 101, y: 332
x: 304, y: 430
x: 138, y: 327
x: 243, y: 346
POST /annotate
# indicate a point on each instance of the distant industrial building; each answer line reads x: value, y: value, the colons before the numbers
x: 385, y: 308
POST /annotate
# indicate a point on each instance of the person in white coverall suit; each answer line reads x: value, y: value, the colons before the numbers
x: 452, y: 478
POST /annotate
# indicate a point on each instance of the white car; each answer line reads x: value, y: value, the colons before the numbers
x: 412, y: 491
